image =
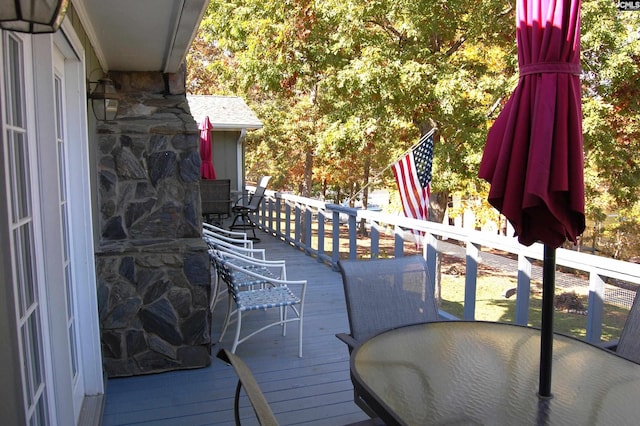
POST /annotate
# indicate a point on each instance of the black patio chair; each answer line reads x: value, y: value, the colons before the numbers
x: 215, y: 195
x: 246, y: 206
x: 628, y: 346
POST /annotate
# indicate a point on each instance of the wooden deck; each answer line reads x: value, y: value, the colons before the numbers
x: 313, y: 390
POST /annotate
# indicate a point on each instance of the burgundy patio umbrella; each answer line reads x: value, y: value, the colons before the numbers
x: 206, y: 164
x: 533, y: 157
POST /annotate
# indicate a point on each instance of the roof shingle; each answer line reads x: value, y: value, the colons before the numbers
x: 225, y: 112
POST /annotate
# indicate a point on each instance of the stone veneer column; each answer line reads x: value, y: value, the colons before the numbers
x: 152, y: 266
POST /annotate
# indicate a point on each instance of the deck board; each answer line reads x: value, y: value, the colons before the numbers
x: 313, y: 390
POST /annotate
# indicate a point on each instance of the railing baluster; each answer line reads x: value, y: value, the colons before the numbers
x: 308, y: 240
x: 278, y: 216
x: 595, y: 307
x: 287, y: 224
x: 297, y: 226
x: 398, y: 243
x: 523, y: 289
x: 353, y: 238
x: 335, y: 253
x: 321, y: 218
x: 375, y: 241
x: 470, y: 279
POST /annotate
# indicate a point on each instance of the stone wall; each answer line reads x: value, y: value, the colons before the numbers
x: 152, y: 266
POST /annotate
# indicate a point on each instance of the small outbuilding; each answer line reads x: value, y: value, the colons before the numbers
x: 231, y: 118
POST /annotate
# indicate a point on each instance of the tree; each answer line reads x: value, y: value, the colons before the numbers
x: 345, y: 87
x: 412, y: 66
x: 611, y: 124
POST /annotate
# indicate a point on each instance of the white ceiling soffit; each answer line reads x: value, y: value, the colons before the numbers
x: 141, y: 35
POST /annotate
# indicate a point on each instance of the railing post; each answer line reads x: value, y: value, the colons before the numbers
x: 335, y: 238
x: 398, y: 242
x: 269, y: 214
x: 287, y: 223
x: 267, y: 206
x: 431, y: 256
x: 308, y: 240
x: 523, y: 289
x: 470, y: 281
x: 262, y: 215
x: 297, y: 226
x: 278, y: 215
x: 375, y: 241
x: 353, y: 240
x: 321, y: 216
x: 273, y: 205
x: 595, y: 308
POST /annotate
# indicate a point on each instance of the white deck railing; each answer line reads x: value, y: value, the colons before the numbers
x: 295, y: 218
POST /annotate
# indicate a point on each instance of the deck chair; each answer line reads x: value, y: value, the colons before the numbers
x: 216, y: 230
x: 261, y: 408
x: 383, y: 294
x: 217, y: 290
x: 215, y: 196
x: 248, y: 206
x: 246, y: 380
x: 628, y: 346
x: 269, y: 268
x: 236, y: 242
x: 286, y: 296
x: 239, y: 241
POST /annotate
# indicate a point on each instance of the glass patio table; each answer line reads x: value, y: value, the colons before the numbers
x: 473, y: 372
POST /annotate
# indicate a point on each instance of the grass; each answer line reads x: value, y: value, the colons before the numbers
x: 492, y: 305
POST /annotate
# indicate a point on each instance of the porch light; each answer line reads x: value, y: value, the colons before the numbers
x: 32, y: 16
x: 104, y: 100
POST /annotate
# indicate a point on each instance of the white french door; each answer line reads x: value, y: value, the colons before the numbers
x: 59, y: 91
x: 66, y: 175
x: 28, y: 286
x: 48, y: 219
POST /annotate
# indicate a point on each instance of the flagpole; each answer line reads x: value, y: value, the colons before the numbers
x: 375, y: 178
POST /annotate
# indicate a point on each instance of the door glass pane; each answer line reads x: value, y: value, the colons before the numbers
x: 35, y: 339
x: 74, y: 355
x: 39, y: 417
x: 24, y: 267
x: 65, y: 231
x: 58, y: 94
x: 14, y: 86
x: 19, y: 176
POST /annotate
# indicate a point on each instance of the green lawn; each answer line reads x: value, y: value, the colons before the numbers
x: 491, y: 305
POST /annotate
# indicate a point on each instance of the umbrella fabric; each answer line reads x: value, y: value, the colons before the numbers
x: 206, y: 165
x: 533, y: 156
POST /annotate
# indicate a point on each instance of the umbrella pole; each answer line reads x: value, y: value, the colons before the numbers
x: 546, y: 340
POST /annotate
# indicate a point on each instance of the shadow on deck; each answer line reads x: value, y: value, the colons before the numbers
x: 313, y: 390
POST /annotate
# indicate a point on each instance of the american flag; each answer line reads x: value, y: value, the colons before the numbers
x: 413, y: 176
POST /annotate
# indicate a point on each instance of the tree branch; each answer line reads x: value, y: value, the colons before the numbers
x: 455, y: 46
x: 389, y: 29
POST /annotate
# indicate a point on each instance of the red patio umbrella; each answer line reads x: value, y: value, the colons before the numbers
x: 533, y: 157
x: 206, y: 164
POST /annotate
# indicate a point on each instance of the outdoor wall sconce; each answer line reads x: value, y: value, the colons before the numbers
x: 104, y: 100
x: 32, y: 16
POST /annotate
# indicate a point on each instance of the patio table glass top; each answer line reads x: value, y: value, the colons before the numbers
x: 472, y: 372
